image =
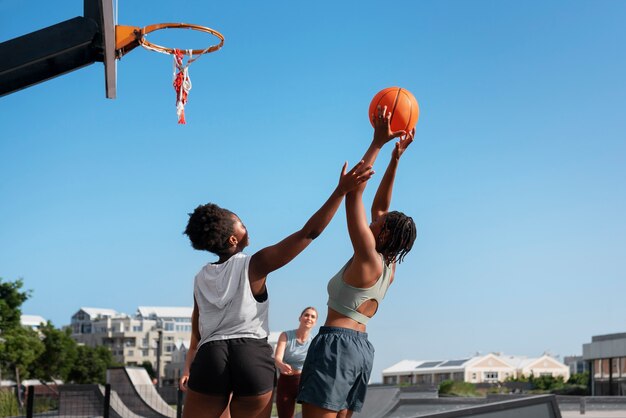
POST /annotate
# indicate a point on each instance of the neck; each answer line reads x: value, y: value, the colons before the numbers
x: 225, y: 257
x: 302, y: 333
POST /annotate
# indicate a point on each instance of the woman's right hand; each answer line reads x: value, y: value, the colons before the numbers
x: 182, y: 383
x: 285, y: 369
x: 359, y: 174
x: 382, y: 127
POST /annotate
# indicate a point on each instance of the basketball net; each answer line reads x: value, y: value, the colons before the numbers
x: 182, y: 84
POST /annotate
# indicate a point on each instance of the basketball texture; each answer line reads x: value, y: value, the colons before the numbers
x: 402, y: 105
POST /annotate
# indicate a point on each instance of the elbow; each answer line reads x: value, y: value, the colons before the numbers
x: 313, y: 234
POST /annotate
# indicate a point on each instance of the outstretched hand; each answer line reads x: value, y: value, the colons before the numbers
x: 403, y: 144
x: 359, y: 174
x: 382, y: 126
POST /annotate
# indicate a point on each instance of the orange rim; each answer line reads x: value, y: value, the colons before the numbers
x: 151, y: 28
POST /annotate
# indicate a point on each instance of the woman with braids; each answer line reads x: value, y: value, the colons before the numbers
x: 339, y: 362
x: 229, y: 358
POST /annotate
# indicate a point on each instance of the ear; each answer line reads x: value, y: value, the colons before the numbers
x: 233, y: 241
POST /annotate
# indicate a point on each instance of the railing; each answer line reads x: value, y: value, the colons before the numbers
x: 88, y: 401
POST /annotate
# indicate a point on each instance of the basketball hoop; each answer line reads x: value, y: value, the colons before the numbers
x: 128, y: 37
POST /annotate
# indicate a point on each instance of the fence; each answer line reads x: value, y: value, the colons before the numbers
x: 90, y: 401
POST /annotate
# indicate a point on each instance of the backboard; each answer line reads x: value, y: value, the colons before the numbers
x: 101, y: 11
x: 63, y: 47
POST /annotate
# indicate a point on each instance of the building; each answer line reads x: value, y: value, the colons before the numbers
x: 490, y: 368
x: 606, y: 356
x: 576, y: 364
x: 152, y: 334
x: 33, y: 321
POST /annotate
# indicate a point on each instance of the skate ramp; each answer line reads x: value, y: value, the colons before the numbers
x: 544, y: 406
x: 134, y: 387
x: 378, y: 402
x: 88, y: 401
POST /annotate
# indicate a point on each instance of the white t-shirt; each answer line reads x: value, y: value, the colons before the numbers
x: 227, y: 308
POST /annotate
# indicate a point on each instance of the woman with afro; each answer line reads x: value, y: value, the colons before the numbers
x: 229, y: 359
x: 337, y: 368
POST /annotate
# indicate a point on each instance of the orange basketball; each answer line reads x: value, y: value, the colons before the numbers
x: 402, y: 105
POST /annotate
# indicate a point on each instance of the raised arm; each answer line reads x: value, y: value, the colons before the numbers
x: 193, y: 347
x: 382, y: 199
x: 382, y: 135
x: 366, y: 261
x: 274, y: 257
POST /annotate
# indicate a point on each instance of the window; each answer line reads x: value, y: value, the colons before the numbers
x: 490, y: 376
x: 597, y: 368
x: 473, y: 376
x: 605, y: 368
x: 137, y: 328
x: 131, y: 353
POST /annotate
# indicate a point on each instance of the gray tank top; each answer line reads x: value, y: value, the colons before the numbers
x: 346, y: 299
x: 295, y: 353
x: 227, y: 308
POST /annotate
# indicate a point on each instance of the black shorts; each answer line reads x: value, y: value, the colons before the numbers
x: 243, y: 366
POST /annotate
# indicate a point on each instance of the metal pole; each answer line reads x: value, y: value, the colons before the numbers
x: 30, y: 398
x: 159, y: 351
x: 107, y: 400
x: 583, y: 405
x: 179, y: 403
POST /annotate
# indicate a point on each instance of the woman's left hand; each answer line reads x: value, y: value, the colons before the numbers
x: 403, y: 144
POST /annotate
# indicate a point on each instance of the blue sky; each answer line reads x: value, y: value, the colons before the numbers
x: 515, y: 180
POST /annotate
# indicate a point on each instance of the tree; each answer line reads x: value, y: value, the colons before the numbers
x: 11, y: 300
x: 91, y: 365
x: 149, y: 368
x: 59, y: 355
x: 581, y: 379
x: 20, y: 348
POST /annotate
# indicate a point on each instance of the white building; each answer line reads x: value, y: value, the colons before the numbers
x: 33, y: 321
x: 134, y: 339
x: 490, y: 368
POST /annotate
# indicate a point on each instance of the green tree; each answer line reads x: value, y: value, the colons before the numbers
x: 149, y: 368
x: 20, y: 347
x: 581, y: 379
x: 59, y: 355
x: 91, y: 365
x: 11, y: 300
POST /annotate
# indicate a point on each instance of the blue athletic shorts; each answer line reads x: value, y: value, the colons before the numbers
x: 337, y: 369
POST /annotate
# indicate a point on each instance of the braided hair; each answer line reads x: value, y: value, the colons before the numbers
x: 399, y: 233
x: 209, y: 228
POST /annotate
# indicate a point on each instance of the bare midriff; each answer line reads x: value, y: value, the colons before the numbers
x: 335, y: 319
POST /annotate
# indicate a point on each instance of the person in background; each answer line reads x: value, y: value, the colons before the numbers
x: 289, y: 358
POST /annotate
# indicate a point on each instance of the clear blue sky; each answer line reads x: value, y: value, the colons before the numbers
x: 516, y: 179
